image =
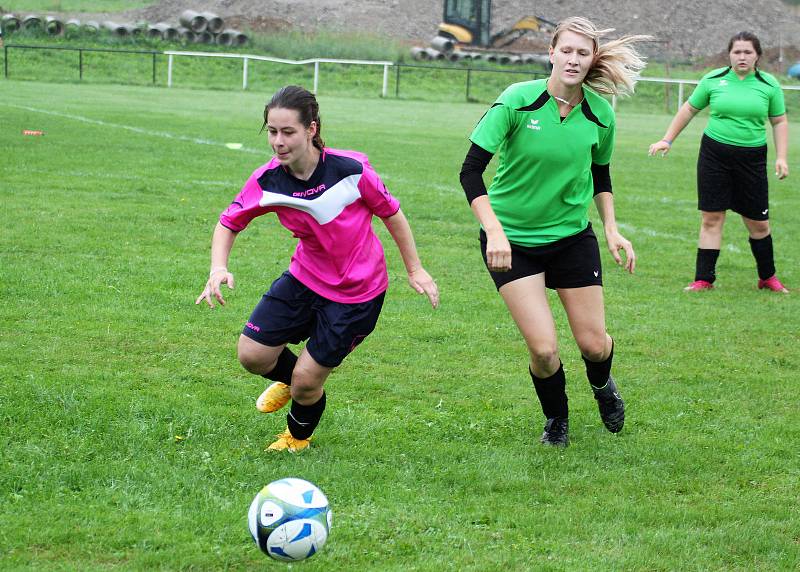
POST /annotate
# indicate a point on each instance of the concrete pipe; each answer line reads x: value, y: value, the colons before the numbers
x: 504, y: 59
x: 133, y: 30
x: 418, y: 53
x: 491, y: 58
x: 442, y: 44
x: 224, y: 38
x: 32, y: 22
x: 204, y: 38
x: 10, y: 23
x: 455, y: 56
x: 214, y: 23
x: 515, y: 60
x: 193, y: 21
x: 53, y: 26
x: 168, y: 32
x: 153, y: 33
x: 434, y: 54
x: 241, y: 39
x: 71, y: 26
x: 186, y: 35
x: 91, y: 27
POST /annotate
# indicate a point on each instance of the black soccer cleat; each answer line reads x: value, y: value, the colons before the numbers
x: 556, y: 432
x: 611, y: 406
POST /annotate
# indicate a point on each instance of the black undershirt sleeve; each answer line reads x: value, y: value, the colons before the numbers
x: 601, y: 177
x: 472, y: 169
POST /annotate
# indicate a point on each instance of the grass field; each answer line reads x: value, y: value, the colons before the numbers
x: 128, y: 431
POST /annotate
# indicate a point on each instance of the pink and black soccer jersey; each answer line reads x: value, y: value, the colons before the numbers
x: 339, y: 255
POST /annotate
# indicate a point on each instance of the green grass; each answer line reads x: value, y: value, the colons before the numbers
x: 128, y: 433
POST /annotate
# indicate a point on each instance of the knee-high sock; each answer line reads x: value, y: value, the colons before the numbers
x: 303, y: 419
x: 706, y: 264
x: 283, y: 367
x: 598, y: 372
x: 552, y: 393
x: 762, y: 251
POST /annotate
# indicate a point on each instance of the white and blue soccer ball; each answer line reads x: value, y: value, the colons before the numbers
x: 290, y: 519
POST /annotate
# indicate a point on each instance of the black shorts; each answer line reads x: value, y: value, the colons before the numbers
x: 732, y: 177
x: 290, y: 312
x: 571, y: 262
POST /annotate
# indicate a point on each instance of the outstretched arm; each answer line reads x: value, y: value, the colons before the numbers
x: 418, y: 278
x: 678, y: 123
x: 221, y: 245
x: 780, y: 132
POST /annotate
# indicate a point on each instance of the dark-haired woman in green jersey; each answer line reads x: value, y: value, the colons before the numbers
x: 555, y: 138
x: 732, y: 164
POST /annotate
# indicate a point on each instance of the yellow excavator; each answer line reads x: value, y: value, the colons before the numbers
x: 469, y: 23
x: 466, y: 33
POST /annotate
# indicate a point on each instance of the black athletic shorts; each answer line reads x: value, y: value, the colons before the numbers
x: 732, y: 177
x: 571, y: 262
x: 290, y: 312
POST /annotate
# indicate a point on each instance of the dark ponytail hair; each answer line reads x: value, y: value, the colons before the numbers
x: 301, y: 100
x: 746, y: 37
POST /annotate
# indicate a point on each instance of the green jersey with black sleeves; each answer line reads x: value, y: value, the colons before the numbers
x: 738, y: 106
x: 543, y: 185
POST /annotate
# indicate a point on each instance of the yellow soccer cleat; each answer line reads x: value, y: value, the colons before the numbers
x: 286, y: 442
x: 274, y: 397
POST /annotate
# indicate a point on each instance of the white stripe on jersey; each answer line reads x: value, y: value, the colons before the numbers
x: 324, y: 207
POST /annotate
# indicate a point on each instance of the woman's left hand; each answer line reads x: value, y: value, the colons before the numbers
x: 781, y: 168
x: 617, y: 242
x: 422, y: 282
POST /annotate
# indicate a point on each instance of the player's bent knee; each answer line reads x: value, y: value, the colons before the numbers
x: 544, y: 358
x: 255, y: 358
x: 594, y: 348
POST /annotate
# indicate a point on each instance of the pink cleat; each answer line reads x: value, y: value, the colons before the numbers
x: 699, y: 285
x: 772, y: 284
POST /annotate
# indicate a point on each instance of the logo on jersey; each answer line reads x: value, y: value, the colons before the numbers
x: 309, y: 192
x: 723, y: 82
x: 534, y: 124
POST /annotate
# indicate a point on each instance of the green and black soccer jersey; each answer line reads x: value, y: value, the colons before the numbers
x: 738, y: 106
x: 543, y: 185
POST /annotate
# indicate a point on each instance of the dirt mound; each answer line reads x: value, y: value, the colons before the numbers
x: 685, y: 29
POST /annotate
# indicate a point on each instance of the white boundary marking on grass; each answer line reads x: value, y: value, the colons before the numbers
x: 139, y: 130
x: 656, y: 234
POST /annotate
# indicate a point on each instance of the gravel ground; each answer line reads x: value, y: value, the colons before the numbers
x: 685, y: 29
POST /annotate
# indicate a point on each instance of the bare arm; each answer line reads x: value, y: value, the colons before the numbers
x: 780, y: 132
x: 685, y: 114
x: 418, y: 277
x: 614, y: 240
x: 498, y: 249
x: 221, y: 245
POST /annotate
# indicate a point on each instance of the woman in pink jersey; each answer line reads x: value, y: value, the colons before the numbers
x: 334, y: 288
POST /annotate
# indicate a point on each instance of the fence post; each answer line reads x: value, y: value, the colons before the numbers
x: 469, y: 76
x: 5, y: 60
x: 244, y: 73
x: 680, y: 94
x: 154, y: 68
x: 385, y: 80
x: 80, y: 65
x: 169, y: 70
x: 316, y: 77
x: 397, y: 81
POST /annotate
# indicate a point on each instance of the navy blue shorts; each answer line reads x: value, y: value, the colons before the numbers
x: 290, y: 312
x: 571, y: 262
x: 732, y: 177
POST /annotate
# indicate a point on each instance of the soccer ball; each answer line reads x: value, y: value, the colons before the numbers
x: 290, y: 519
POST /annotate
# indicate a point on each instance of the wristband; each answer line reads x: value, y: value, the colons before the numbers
x: 668, y: 142
x: 216, y: 269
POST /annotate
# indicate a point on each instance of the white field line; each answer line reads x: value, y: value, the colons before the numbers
x: 121, y: 177
x: 668, y: 236
x: 139, y: 130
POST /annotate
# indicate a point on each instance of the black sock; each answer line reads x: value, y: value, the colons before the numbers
x: 552, y: 393
x: 283, y: 367
x: 762, y: 251
x: 706, y: 265
x: 598, y: 372
x: 303, y: 419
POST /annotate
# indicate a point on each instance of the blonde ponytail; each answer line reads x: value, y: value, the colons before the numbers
x: 616, y: 64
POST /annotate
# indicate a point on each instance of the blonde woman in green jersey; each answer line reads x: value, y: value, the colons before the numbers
x: 555, y: 139
x: 732, y: 164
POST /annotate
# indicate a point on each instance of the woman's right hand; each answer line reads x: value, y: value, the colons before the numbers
x: 215, y: 280
x: 498, y: 251
x: 662, y: 146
